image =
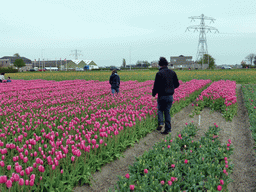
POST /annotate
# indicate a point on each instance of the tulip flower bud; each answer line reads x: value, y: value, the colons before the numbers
x: 9, y: 184
x: 21, y: 181
x: 9, y: 167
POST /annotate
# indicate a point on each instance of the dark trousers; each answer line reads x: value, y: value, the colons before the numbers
x: 164, y: 104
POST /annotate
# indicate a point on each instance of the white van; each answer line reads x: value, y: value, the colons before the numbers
x: 79, y: 69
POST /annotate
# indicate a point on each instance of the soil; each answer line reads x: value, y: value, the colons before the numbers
x: 243, y: 158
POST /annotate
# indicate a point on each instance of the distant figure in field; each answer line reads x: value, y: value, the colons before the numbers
x: 114, y: 81
x: 2, y: 77
x: 166, y: 81
x: 9, y: 79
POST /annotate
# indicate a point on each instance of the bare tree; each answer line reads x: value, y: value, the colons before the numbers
x: 250, y: 57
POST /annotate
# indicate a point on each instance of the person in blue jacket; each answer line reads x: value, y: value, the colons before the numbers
x: 9, y: 79
x: 114, y: 81
x: 166, y: 81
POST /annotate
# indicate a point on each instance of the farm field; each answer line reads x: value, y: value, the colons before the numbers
x: 56, y: 132
x: 241, y: 76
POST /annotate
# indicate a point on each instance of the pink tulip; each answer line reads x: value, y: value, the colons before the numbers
x: 1, y: 179
x: 9, y: 167
x: 25, y: 159
x: 221, y: 182
x: 22, y: 173
x: 27, y: 171
x: 219, y: 187
x: 170, y: 183
x: 16, y: 177
x: 31, y: 182
x: 2, y: 163
x: 127, y: 176
x: 9, y: 184
x: 21, y: 181
x: 145, y: 171
x: 132, y: 187
x: 33, y: 176
x: 162, y: 182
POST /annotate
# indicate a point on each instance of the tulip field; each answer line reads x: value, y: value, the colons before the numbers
x: 181, y: 164
x: 220, y: 95
x: 249, y: 93
x: 55, y: 134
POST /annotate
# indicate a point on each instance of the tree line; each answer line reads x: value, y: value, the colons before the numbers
x: 251, y: 58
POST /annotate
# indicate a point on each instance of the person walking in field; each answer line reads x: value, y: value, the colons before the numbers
x: 114, y: 81
x: 165, y: 82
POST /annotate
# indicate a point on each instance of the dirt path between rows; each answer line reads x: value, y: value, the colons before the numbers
x: 244, y: 158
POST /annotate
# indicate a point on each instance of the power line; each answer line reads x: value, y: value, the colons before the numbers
x: 76, y: 54
x: 202, y: 44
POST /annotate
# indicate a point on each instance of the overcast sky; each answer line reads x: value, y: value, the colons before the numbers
x: 106, y: 31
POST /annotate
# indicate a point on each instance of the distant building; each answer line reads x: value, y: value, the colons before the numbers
x: 154, y: 64
x: 92, y: 64
x: 130, y: 66
x: 65, y: 64
x: 237, y: 66
x: 4, y: 62
x: 11, y: 59
x: 42, y: 64
x: 73, y: 64
x: 185, y: 62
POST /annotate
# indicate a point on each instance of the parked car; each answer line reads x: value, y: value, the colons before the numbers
x: 32, y: 70
x: 226, y: 67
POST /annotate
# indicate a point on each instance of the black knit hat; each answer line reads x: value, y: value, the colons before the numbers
x: 162, y: 61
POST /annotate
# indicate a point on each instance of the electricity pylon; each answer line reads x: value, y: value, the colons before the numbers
x: 76, y: 54
x: 202, y: 44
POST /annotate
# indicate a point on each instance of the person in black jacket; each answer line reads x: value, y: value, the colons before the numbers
x: 114, y: 81
x: 165, y: 82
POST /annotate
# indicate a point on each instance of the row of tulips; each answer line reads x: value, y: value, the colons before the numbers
x: 249, y: 95
x: 53, y: 135
x: 219, y: 96
x: 181, y: 164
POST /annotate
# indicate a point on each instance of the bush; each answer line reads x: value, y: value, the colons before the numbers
x: 8, y: 70
x: 154, y: 68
